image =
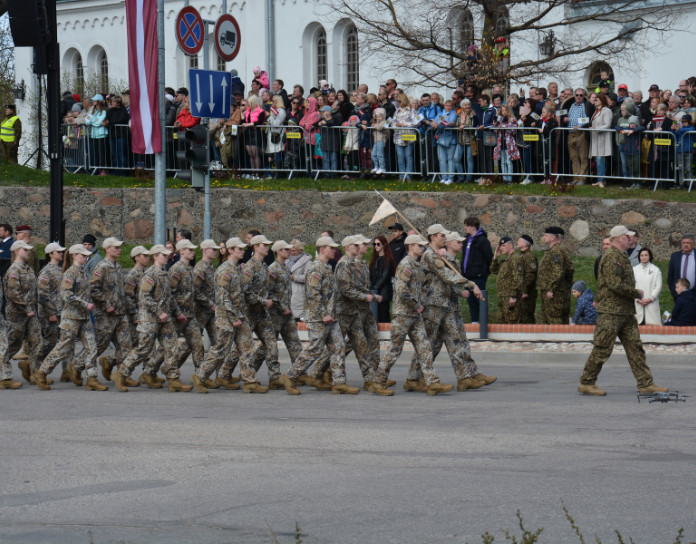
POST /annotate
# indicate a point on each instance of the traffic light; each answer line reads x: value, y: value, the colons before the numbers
x: 197, y: 141
x: 29, y: 23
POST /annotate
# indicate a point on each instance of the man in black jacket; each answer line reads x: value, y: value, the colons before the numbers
x: 66, y: 104
x: 476, y: 258
x: 280, y: 91
x: 117, y: 119
x: 396, y: 244
x: 681, y: 264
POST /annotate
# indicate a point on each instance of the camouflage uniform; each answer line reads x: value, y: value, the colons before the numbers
x: 21, y: 297
x: 154, y: 299
x: 510, y: 271
x: 75, y: 323
x: 131, y: 288
x: 367, y: 318
x: 184, y: 292
x: 406, y: 321
x: 229, y: 298
x: 4, y: 375
x: 204, y: 282
x: 107, y: 291
x: 555, y: 275
x: 437, y: 279
x: 320, y: 301
x: 33, y: 261
x: 50, y: 304
x: 616, y: 316
x: 280, y: 292
x: 527, y: 306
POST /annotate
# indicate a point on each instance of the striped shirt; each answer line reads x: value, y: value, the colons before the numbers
x: 577, y: 111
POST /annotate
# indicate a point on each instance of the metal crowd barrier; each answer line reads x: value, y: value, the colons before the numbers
x: 269, y: 150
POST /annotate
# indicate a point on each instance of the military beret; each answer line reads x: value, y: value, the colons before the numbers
x: 504, y: 240
x: 554, y: 230
x: 527, y: 238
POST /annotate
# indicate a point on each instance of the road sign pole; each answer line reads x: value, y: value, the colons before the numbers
x: 207, y: 221
x: 161, y: 157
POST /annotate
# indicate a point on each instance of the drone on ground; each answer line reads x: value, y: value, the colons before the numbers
x: 664, y: 398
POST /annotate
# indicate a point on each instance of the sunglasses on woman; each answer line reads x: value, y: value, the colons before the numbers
x: 377, y: 244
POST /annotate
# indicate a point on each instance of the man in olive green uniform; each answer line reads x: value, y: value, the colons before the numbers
x: 530, y: 264
x: 510, y: 273
x: 555, y: 279
x: 11, y: 133
x: 616, y: 316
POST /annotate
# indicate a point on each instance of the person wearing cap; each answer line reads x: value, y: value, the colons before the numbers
x: 407, y: 321
x: 396, y: 244
x: 24, y: 233
x: 622, y: 92
x: 204, y: 281
x: 11, y: 133
x: 530, y: 263
x: 555, y: 278
x: 75, y: 323
x: 510, y: 280
x: 249, y: 251
x: 616, y: 316
x: 5, y: 382
x: 90, y: 242
x: 585, y: 312
x: 322, y: 327
x: 646, y: 114
x: 157, y: 310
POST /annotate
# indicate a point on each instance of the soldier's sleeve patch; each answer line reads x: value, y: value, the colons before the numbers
x: 519, y: 267
x: 147, y: 285
x: 272, y: 275
x: 440, y: 263
x: 556, y: 259
x: 618, y: 269
x: 97, y: 273
x: 130, y: 287
x: 315, y: 280
x: 533, y: 265
x: 198, y: 280
x: 43, y: 282
x: 405, y: 275
x: 13, y: 281
x: 174, y: 280
x: 67, y: 283
x: 224, y: 280
x: 247, y: 276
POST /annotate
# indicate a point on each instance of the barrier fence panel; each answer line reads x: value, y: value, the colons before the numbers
x: 685, y: 159
x: 269, y: 151
x: 75, y: 143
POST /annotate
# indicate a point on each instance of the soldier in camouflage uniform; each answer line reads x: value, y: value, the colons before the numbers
x: 233, y: 328
x: 555, y: 279
x: 75, y: 323
x: 24, y: 234
x: 5, y: 382
x: 322, y: 327
x: 616, y: 316
x: 510, y: 271
x: 204, y: 282
x: 157, y: 307
x: 527, y: 306
x: 407, y: 321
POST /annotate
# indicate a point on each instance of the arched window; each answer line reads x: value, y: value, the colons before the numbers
x: 595, y: 74
x: 79, y: 73
x: 352, y: 60
x: 104, y: 71
x: 321, y: 55
x: 502, y: 23
x: 465, y: 25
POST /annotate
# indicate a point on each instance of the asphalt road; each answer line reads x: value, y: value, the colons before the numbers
x: 152, y: 467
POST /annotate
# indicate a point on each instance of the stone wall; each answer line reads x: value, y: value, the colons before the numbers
x: 129, y: 214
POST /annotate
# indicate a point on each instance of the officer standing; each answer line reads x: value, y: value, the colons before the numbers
x: 555, y: 279
x: 616, y: 296
x: 509, y: 284
x: 11, y: 133
x: 527, y: 306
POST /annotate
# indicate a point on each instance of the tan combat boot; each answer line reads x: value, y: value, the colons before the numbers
x: 488, y: 380
x: 75, y: 375
x: 378, y: 388
x: 235, y: 379
x: 290, y: 385
x: 328, y: 378
x: 344, y: 389
x: 227, y: 384
x: 130, y: 382
x: 437, y: 387
x: 652, y: 388
x: 254, y: 388
x: 301, y: 381
x: 469, y: 383
x: 210, y: 384
x: 94, y: 385
x: 21, y: 356
x: 9, y: 383
x: 119, y: 382
x: 32, y: 381
x: 65, y: 376
x: 367, y: 386
x: 390, y: 383
x: 107, y: 367
x: 177, y: 386
x: 26, y: 370
x: 321, y: 385
x: 275, y: 385
x: 150, y: 381
x: 160, y: 379
x: 592, y: 390
x: 415, y: 386
x: 198, y: 383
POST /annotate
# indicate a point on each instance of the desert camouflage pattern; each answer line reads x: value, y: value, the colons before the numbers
x: 50, y: 304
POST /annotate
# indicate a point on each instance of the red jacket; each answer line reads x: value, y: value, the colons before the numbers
x: 186, y: 119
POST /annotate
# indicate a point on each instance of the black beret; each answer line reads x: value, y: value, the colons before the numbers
x: 554, y: 230
x: 527, y: 238
x: 505, y: 240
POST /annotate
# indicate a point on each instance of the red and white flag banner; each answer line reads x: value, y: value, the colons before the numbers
x: 141, y: 17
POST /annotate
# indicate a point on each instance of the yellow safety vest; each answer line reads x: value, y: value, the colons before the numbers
x: 7, y: 131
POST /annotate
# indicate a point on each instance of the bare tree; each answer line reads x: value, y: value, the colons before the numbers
x: 484, y: 42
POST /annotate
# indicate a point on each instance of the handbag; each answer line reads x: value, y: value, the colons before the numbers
x: 474, y: 147
x: 489, y: 138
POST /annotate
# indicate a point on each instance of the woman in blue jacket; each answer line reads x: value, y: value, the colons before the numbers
x: 446, y: 136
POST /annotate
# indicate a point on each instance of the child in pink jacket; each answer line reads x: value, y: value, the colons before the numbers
x: 262, y: 76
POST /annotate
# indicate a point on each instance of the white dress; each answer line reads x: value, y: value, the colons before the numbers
x: 649, y: 279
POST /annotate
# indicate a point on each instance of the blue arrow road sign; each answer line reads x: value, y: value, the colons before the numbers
x: 210, y: 93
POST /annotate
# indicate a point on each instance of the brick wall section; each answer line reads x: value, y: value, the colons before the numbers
x: 129, y: 214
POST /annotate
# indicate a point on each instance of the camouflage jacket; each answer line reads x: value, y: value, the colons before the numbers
x: 183, y: 290
x: 255, y: 275
x: 106, y: 288
x: 348, y: 279
x: 531, y: 267
x: 437, y: 278
x: 616, y: 291
x: 363, y: 284
x: 33, y: 260
x: 74, y: 290
x: 556, y: 272
x: 50, y: 302
x: 320, y: 292
x: 510, y: 272
x: 131, y: 288
x: 2, y: 301
x: 229, y: 295
x: 455, y: 292
x: 279, y: 287
x: 408, y: 287
x: 204, y: 282
x: 156, y: 297
x: 20, y: 291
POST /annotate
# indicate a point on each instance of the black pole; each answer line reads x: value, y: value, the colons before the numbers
x: 483, y: 316
x: 40, y: 106
x: 55, y: 149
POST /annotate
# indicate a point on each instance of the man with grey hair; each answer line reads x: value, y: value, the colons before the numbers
x: 638, y: 97
x: 681, y: 264
x: 579, y: 115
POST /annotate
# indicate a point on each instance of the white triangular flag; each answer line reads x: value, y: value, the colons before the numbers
x: 385, y: 210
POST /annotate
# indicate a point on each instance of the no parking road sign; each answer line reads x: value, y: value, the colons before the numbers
x: 227, y: 37
x: 190, y: 31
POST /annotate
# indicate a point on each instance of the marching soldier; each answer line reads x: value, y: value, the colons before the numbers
x: 5, y: 382
x: 157, y: 307
x: 323, y: 329
x: 616, y: 296
x: 555, y: 279
x: 75, y: 323
x: 24, y: 233
x: 204, y: 282
x: 407, y: 320
x: 11, y: 133
x: 510, y: 271
x: 233, y: 328
x: 530, y: 264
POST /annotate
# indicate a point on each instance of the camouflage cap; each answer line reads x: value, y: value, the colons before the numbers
x: 139, y: 250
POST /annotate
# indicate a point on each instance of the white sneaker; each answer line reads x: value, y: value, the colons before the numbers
x: 526, y: 181
x: 447, y: 182
x: 373, y: 171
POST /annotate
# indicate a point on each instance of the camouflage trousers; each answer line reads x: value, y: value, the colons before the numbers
x: 363, y: 337
x: 413, y: 327
x: 149, y: 333
x: 555, y: 311
x: 111, y: 328
x: 320, y: 335
x: 527, y: 309
x: 506, y: 314
x: 228, y: 338
x: 608, y: 327
x: 70, y: 331
x: 50, y: 336
x: 440, y: 322
x: 18, y: 330
x: 191, y: 332
x: 206, y: 321
x: 268, y: 351
x: 5, y: 372
x: 286, y: 328
x: 135, y: 337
